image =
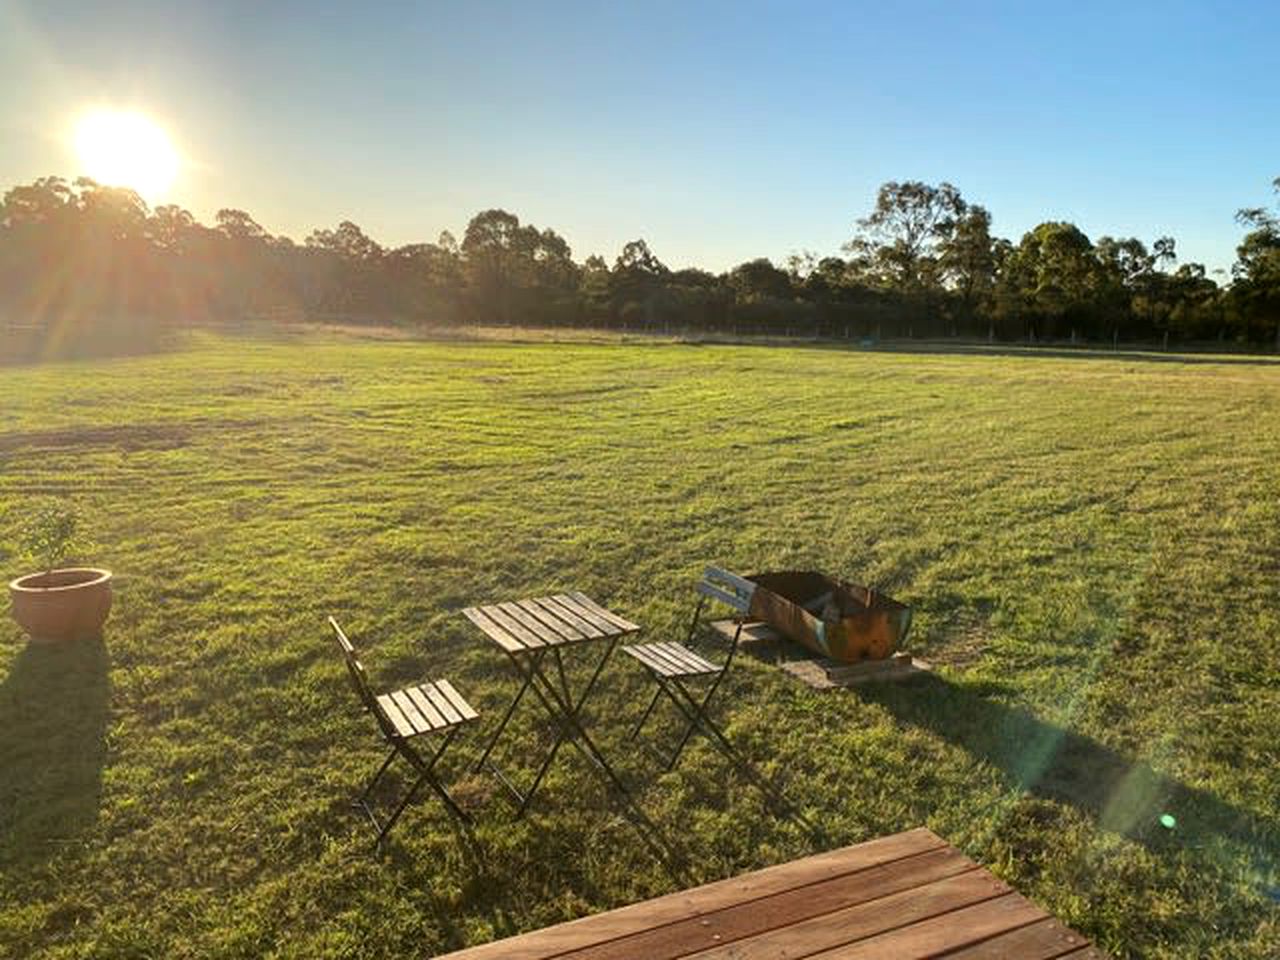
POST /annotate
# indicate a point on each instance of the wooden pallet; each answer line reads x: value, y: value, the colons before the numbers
x: 822, y: 673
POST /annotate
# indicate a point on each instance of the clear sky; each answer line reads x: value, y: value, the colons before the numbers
x: 717, y: 131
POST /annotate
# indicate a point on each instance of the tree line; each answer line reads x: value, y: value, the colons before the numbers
x: 79, y: 257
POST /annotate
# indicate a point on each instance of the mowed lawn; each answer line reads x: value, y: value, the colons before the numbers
x: 1091, y: 546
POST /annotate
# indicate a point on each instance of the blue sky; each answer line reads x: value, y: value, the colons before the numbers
x: 718, y: 132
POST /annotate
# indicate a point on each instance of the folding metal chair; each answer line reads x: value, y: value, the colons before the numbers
x: 672, y: 665
x: 402, y: 717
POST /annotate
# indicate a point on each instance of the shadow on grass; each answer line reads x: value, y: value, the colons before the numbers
x: 1150, y: 354
x: 1202, y: 353
x: 53, y: 719
x: 101, y: 339
x: 1120, y: 794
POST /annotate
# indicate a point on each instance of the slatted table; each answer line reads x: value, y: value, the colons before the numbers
x: 534, y: 634
x: 907, y: 896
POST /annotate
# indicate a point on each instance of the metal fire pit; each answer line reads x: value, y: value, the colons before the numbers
x: 844, y: 621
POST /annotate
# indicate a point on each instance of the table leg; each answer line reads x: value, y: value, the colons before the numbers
x: 570, y: 710
x: 566, y: 729
x: 564, y: 710
x: 503, y: 724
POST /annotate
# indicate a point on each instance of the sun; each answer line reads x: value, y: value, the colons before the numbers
x: 126, y: 149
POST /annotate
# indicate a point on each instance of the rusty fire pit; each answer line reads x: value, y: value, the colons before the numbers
x: 844, y: 621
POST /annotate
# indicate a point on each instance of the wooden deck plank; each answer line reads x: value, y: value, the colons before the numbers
x: 730, y: 926
x: 840, y: 928
x: 1046, y: 939
x: 674, y: 907
x: 940, y: 934
x: 904, y: 896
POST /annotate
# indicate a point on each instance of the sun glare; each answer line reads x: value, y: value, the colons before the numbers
x: 125, y: 149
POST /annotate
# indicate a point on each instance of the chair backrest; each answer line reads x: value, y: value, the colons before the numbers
x: 733, y: 591
x: 729, y: 588
x: 359, y: 681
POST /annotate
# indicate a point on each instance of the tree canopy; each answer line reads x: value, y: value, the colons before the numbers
x: 923, y: 262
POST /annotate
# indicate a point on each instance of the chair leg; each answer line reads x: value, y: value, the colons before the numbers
x: 699, y: 718
x: 434, y: 782
x: 368, y: 791
x: 695, y: 714
x: 391, y: 822
x: 643, y: 719
x: 426, y: 776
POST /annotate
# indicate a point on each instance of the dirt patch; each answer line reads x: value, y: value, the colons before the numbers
x: 142, y: 436
x: 153, y: 436
x: 964, y: 642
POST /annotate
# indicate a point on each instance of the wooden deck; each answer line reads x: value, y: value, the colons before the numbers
x: 899, y: 897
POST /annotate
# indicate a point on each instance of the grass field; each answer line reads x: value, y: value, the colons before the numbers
x: 1092, y: 548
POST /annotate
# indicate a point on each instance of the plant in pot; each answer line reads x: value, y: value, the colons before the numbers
x: 60, y: 603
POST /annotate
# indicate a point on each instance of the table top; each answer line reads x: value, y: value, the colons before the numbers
x: 526, y: 626
x: 904, y: 896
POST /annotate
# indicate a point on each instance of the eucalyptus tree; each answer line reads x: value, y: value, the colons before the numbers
x: 902, y: 238
x: 1256, y: 290
x: 968, y: 259
x: 636, y: 282
x: 1051, y: 276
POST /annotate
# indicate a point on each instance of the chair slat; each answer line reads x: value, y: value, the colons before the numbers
x: 405, y: 702
x: 649, y: 659
x: 426, y: 707
x: 461, y: 705
x: 729, y: 599
x: 690, y: 659
x: 656, y: 650
x: 672, y: 659
x: 736, y: 584
x: 447, y: 711
x: 674, y: 651
x: 347, y: 647
x: 393, y: 713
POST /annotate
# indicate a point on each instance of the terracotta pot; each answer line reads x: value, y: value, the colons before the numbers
x: 62, y: 605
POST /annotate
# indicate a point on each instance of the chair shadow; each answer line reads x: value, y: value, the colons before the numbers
x: 1120, y: 794
x: 53, y: 719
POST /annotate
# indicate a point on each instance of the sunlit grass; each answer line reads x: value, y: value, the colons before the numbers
x: 1092, y: 548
